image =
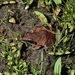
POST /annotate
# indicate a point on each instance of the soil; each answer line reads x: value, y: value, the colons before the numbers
x: 26, y: 20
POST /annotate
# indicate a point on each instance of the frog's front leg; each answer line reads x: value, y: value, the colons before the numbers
x: 36, y: 46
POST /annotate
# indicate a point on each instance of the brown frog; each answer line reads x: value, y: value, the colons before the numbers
x: 41, y: 36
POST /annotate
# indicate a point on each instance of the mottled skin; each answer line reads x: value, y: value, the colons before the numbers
x: 42, y: 36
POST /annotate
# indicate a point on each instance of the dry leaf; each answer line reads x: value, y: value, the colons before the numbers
x: 12, y: 20
x: 10, y: 11
x: 41, y: 36
x: 57, y: 11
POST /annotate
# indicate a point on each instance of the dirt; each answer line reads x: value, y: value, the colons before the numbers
x: 26, y: 20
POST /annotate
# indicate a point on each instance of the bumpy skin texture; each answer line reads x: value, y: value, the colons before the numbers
x: 41, y: 36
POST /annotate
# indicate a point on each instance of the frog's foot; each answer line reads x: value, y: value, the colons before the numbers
x: 36, y: 47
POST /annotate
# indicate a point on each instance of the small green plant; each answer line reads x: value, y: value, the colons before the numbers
x: 72, y: 72
x: 73, y: 68
x: 61, y: 47
x: 68, y: 17
x: 16, y: 66
x: 57, y: 2
x: 1, y: 37
x: 27, y: 3
x: 49, y: 2
x: 43, y: 3
x: 43, y: 19
x: 68, y: 25
x: 57, y: 67
x: 12, y: 54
